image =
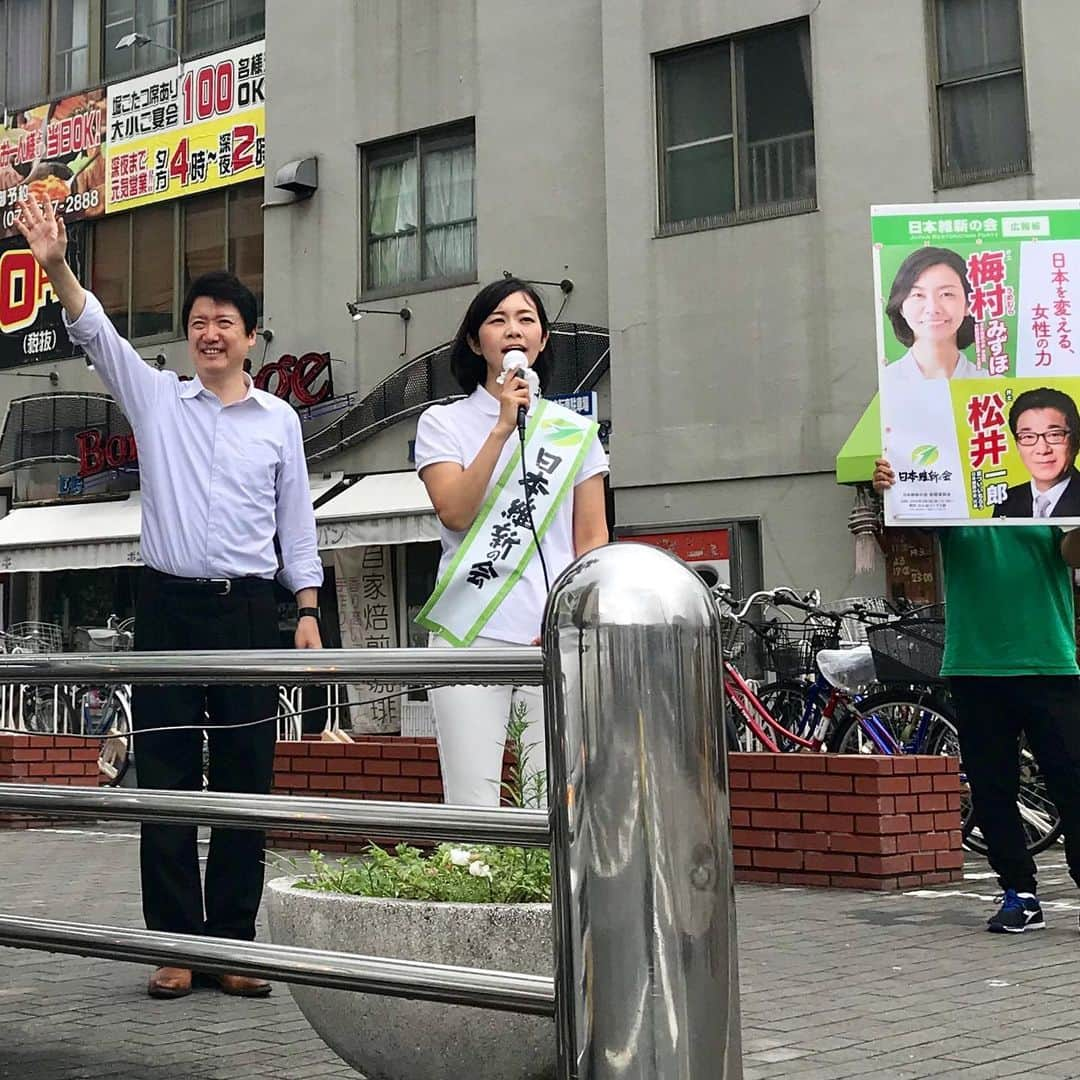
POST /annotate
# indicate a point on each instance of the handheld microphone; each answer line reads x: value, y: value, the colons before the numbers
x: 517, y: 362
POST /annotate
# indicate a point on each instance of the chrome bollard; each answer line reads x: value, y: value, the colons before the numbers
x: 645, y: 944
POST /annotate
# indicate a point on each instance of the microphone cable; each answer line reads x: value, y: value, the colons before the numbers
x: 529, y: 511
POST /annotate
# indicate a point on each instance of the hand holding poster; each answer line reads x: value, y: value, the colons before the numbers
x: 978, y: 364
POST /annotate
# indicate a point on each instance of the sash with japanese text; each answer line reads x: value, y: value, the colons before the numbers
x: 500, y: 544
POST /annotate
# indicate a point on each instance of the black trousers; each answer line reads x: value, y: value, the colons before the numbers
x: 992, y: 713
x: 173, y: 616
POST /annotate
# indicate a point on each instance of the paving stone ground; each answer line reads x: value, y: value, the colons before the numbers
x: 834, y: 984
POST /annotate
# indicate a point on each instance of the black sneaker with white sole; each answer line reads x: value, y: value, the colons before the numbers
x: 1019, y: 911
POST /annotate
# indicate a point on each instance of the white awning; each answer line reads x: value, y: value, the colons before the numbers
x: 79, y: 536
x: 87, y: 536
x: 384, y: 508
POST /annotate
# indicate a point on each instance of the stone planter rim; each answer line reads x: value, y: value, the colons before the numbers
x: 287, y: 883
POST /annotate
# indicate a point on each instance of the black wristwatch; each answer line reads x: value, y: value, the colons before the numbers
x: 313, y: 612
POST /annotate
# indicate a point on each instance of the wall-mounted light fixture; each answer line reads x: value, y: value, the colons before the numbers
x: 566, y: 284
x: 52, y: 376
x: 137, y: 41
x: 356, y: 313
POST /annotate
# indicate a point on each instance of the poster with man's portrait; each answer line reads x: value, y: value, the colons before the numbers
x: 978, y: 353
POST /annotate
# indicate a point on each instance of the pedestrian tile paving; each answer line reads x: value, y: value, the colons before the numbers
x: 834, y: 983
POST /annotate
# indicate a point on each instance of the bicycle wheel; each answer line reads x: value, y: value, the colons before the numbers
x: 785, y: 701
x: 901, y: 718
x: 1038, y: 814
x: 45, y: 712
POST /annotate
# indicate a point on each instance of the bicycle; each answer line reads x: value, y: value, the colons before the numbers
x: 916, y: 711
x: 105, y: 711
x: 39, y: 709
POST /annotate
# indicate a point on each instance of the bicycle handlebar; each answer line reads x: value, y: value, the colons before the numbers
x: 782, y: 595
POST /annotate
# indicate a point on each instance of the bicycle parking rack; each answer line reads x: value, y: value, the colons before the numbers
x: 646, y: 971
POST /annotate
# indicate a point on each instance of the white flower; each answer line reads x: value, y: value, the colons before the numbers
x: 460, y: 856
x: 480, y: 869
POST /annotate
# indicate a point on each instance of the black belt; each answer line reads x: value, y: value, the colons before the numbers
x: 243, y: 586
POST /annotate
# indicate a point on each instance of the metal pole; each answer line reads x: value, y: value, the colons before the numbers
x: 645, y: 953
x: 346, y: 817
x: 503, y: 990
x: 515, y: 666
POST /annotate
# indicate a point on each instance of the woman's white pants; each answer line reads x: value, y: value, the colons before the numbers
x: 470, y: 722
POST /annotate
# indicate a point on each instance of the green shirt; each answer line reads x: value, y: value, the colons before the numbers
x: 1008, y: 602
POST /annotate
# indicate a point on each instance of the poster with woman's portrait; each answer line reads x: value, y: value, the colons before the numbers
x: 978, y: 353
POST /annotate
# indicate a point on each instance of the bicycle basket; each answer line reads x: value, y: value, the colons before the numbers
x: 94, y: 639
x: 791, y: 648
x: 34, y: 637
x: 910, y: 650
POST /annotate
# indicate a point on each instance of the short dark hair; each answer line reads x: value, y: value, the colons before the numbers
x: 225, y: 288
x: 469, y: 369
x: 1046, y: 397
x: 911, y: 269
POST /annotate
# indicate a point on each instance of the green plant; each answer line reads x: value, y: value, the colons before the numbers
x: 486, y: 874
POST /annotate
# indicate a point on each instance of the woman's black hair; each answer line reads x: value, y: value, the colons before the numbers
x: 225, y: 288
x: 469, y: 369
x: 1046, y: 397
x: 911, y: 269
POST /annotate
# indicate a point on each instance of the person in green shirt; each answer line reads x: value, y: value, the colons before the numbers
x: 1010, y: 656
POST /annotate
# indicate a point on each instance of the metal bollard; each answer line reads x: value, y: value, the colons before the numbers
x: 645, y: 944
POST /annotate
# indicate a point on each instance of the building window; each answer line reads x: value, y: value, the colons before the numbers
x: 225, y: 229
x: 420, y: 209
x: 154, y: 18
x: 212, y: 24
x: 23, y: 25
x: 979, y: 99
x: 144, y: 261
x: 69, y: 67
x: 736, y: 130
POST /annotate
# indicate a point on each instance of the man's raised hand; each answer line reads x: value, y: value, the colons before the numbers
x: 43, y: 231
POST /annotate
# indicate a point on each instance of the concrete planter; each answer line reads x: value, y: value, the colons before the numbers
x: 396, y: 1039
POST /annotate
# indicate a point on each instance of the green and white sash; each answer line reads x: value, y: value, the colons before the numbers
x: 500, y: 544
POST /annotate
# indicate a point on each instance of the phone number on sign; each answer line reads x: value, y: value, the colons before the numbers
x: 75, y: 203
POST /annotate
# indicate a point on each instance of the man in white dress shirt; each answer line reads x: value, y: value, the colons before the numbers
x: 223, y: 476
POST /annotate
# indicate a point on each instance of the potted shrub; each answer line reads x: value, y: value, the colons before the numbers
x: 479, y: 906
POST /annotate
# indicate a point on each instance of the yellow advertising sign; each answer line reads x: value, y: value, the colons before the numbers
x: 173, y: 134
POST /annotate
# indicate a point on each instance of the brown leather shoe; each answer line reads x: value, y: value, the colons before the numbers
x: 237, y: 985
x: 169, y: 982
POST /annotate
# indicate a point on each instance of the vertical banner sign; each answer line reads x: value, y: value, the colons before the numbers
x: 978, y: 358
x: 57, y: 152
x: 182, y: 131
x: 365, y: 596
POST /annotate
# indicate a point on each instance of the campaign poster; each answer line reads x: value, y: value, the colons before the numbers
x: 57, y: 152
x: 978, y: 360
x: 187, y: 129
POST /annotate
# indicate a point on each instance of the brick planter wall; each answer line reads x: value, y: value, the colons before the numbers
x: 45, y: 759
x: 846, y: 821
x: 385, y: 767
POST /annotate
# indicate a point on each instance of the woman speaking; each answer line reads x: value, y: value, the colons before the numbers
x: 513, y: 513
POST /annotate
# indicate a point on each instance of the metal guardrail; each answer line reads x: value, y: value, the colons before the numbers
x: 503, y: 990
x: 345, y: 817
x: 644, y: 924
x: 440, y: 667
